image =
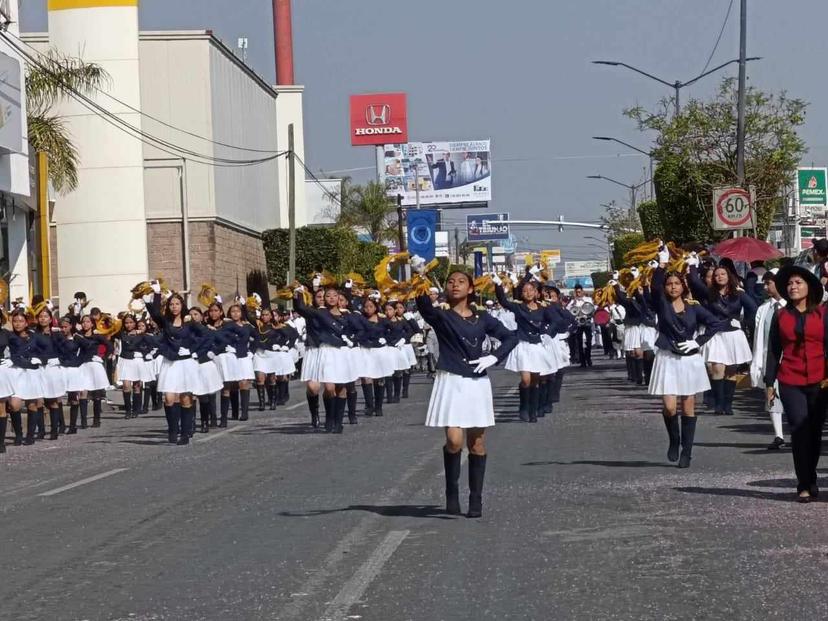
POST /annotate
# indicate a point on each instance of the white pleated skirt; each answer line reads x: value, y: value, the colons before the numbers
x: 328, y: 365
x: 649, y: 336
x: 410, y: 354
x: 401, y: 362
x: 678, y: 375
x: 6, y: 382
x: 563, y: 344
x: 531, y: 358
x: 550, y: 343
x: 179, y: 376
x: 93, y: 376
x: 377, y: 362
x: 273, y: 362
x: 235, y: 369
x: 28, y: 383
x: 458, y: 401
x: 74, y: 379
x: 727, y: 348
x: 310, y: 364
x: 54, y: 382
x: 207, y: 379
x: 134, y: 370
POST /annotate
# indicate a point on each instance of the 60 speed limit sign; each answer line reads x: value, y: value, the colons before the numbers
x: 732, y: 208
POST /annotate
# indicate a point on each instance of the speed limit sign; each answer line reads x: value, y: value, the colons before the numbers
x: 732, y: 208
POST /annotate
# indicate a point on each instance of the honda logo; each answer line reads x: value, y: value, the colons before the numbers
x: 378, y: 114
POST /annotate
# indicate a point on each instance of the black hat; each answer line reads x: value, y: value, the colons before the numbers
x: 815, y: 289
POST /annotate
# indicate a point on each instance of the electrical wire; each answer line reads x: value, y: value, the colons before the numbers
x: 308, y: 171
x: 719, y: 38
x: 161, y: 144
x: 141, y: 112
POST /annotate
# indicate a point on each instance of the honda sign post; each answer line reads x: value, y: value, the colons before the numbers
x: 732, y: 208
x: 378, y: 119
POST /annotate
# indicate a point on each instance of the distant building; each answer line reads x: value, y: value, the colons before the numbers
x: 322, y: 202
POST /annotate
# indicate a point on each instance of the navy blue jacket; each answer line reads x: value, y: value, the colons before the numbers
x: 327, y: 329
x: 172, y: 338
x: 724, y: 308
x: 23, y: 350
x: 371, y: 332
x: 530, y: 323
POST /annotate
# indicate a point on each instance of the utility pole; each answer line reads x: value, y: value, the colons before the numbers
x: 740, y: 123
x: 400, y: 223
x: 43, y: 224
x: 291, y: 208
x: 456, y: 246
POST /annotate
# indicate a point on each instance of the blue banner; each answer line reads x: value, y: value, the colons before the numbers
x: 478, y: 264
x: 422, y: 225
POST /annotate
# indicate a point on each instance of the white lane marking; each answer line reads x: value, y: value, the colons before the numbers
x: 355, y: 588
x: 97, y: 477
x: 216, y: 436
x: 294, y: 406
x: 463, y: 459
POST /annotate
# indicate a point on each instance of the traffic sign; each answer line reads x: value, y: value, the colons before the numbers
x: 732, y: 208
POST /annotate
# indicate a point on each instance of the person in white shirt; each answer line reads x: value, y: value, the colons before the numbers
x: 764, y: 318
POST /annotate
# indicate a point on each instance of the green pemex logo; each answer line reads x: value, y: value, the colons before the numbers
x: 812, y: 187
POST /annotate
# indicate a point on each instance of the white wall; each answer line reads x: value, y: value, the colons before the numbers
x: 319, y: 206
x: 290, y: 110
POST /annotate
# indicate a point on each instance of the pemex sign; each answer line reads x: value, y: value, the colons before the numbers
x: 811, y: 187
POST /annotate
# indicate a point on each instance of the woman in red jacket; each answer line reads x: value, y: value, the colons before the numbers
x: 797, y: 347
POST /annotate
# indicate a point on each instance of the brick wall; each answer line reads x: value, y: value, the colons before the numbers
x: 218, y: 255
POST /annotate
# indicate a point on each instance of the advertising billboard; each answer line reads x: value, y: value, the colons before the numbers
x: 584, y: 268
x: 378, y: 118
x: 811, y: 187
x: 444, y: 172
x: 487, y: 227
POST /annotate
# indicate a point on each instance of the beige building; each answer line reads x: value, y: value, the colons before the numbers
x: 136, y: 204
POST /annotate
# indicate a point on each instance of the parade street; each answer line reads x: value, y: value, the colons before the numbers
x: 583, y: 518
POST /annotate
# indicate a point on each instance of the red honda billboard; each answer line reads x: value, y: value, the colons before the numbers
x: 379, y: 119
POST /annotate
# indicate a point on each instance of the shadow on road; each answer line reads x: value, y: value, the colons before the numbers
x: 415, y: 511
x: 606, y: 464
x: 741, y: 493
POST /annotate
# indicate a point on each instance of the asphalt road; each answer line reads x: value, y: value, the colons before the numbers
x: 583, y: 519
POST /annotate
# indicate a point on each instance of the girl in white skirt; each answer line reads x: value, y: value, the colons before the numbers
x: 530, y: 358
x: 7, y: 390
x: 310, y: 361
x: 288, y: 355
x: 209, y: 379
x: 378, y: 361
x: 94, y: 348
x: 639, y: 333
x: 679, y: 371
x: 50, y: 341
x: 461, y: 400
x: 132, y: 369
x: 272, y: 360
x: 27, y: 379
x: 70, y: 361
x: 557, y: 326
x: 178, y: 378
x: 412, y: 328
x: 397, y: 330
x: 729, y: 349
x: 236, y: 361
x: 333, y: 368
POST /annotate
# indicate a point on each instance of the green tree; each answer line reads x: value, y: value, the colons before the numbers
x: 367, y: 207
x: 622, y: 244
x: 696, y: 152
x: 47, y: 84
x: 650, y: 217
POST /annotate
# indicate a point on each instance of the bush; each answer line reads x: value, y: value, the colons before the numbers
x: 335, y: 249
x: 650, y: 216
x: 622, y: 244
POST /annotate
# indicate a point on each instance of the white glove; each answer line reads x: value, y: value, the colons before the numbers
x: 276, y: 348
x: 147, y: 300
x: 77, y: 307
x: 692, y: 260
x: 194, y: 356
x: 53, y: 362
x: 484, y: 363
x: 418, y: 264
x: 258, y: 313
x: 382, y: 341
x: 613, y: 282
x: 97, y: 359
x: 497, y: 280
x: 284, y: 348
x: 183, y: 351
x: 156, y: 286
x: 258, y: 298
x: 634, y: 271
x: 211, y: 355
x: 687, y: 346
x: 239, y: 300
x: 513, y: 277
x: 535, y: 269
x: 663, y: 254
x: 654, y: 264
x: 148, y: 357
x: 616, y: 275
x: 219, y: 300
x: 230, y: 349
x: 299, y: 289
x: 349, y: 283
x: 399, y: 343
x: 408, y: 315
x: 347, y: 341
x: 317, y: 281
x: 38, y: 361
x: 6, y: 363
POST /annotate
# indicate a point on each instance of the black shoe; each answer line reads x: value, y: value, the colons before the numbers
x: 205, y: 427
x: 777, y: 444
x: 814, y: 491
x: 184, y: 439
x: 172, y: 438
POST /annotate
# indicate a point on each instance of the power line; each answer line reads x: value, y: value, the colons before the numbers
x: 330, y: 194
x: 719, y: 38
x: 141, y: 112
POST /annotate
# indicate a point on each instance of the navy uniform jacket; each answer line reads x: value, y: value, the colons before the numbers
x: 172, y: 338
x: 23, y: 350
x: 725, y: 308
x: 461, y: 339
x: 371, y: 332
x: 327, y: 329
x: 529, y: 322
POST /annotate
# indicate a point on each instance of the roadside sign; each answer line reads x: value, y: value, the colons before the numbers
x: 811, y: 186
x: 550, y: 257
x: 487, y: 227
x: 732, y: 208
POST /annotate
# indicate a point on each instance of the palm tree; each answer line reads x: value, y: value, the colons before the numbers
x: 48, y: 82
x: 368, y: 207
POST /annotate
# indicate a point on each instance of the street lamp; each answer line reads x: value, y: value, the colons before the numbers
x: 631, y: 188
x: 677, y: 85
x: 649, y: 154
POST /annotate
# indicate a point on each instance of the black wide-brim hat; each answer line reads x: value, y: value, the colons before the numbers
x: 815, y: 289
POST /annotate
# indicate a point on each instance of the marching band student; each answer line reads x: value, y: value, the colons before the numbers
x: 287, y: 356
x: 49, y: 341
x: 131, y: 369
x: 70, y: 361
x: 92, y: 370
x: 412, y: 328
x: 729, y: 348
x: 583, y: 333
x: 332, y: 367
x: 7, y: 390
x: 353, y: 326
x: 378, y: 361
x: 638, y: 326
x: 178, y: 377
x: 559, y: 322
x: 764, y: 318
x: 311, y: 361
x: 148, y: 392
x: 236, y: 363
x: 461, y: 399
x: 679, y: 372
x: 398, y: 329
x: 269, y: 361
x: 209, y: 380
x: 797, y: 348
x: 26, y: 377
x: 529, y: 358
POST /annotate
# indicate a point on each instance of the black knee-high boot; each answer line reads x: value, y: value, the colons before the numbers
x: 630, y: 367
x: 649, y: 360
x: 397, y: 387
x: 523, y: 412
x: 533, y: 404
x: 96, y: 412
x: 272, y: 397
x: 213, y: 410
x: 351, y: 401
x: 4, y: 421
x: 84, y: 412
x: 245, y: 403
x: 204, y: 411
x: 638, y: 369
x: 718, y: 397
x: 313, y: 406
x: 688, y: 433
x: 54, y: 423
x: 40, y: 421
x: 225, y: 407
x: 379, y: 393
x: 477, y: 473
x: 389, y: 389
x: 172, y: 422
x: 368, y: 397
x: 127, y: 404
x: 187, y: 415
x: 17, y: 426
x: 31, y: 427
x: 156, y: 398
x: 556, y: 385
x: 406, y: 380
x: 285, y: 384
x: 61, y: 419
x: 728, y: 392
x: 542, y: 399
x: 234, y: 403
x: 327, y: 402
x: 145, y: 402
x: 451, y: 465
x: 137, y: 397
x: 340, y: 403
x: 260, y: 393
x: 672, y: 424
x: 73, y: 419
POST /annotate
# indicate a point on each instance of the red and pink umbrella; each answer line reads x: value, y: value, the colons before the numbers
x: 746, y: 249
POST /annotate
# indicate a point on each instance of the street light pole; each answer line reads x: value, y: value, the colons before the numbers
x: 649, y: 154
x: 740, y: 123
